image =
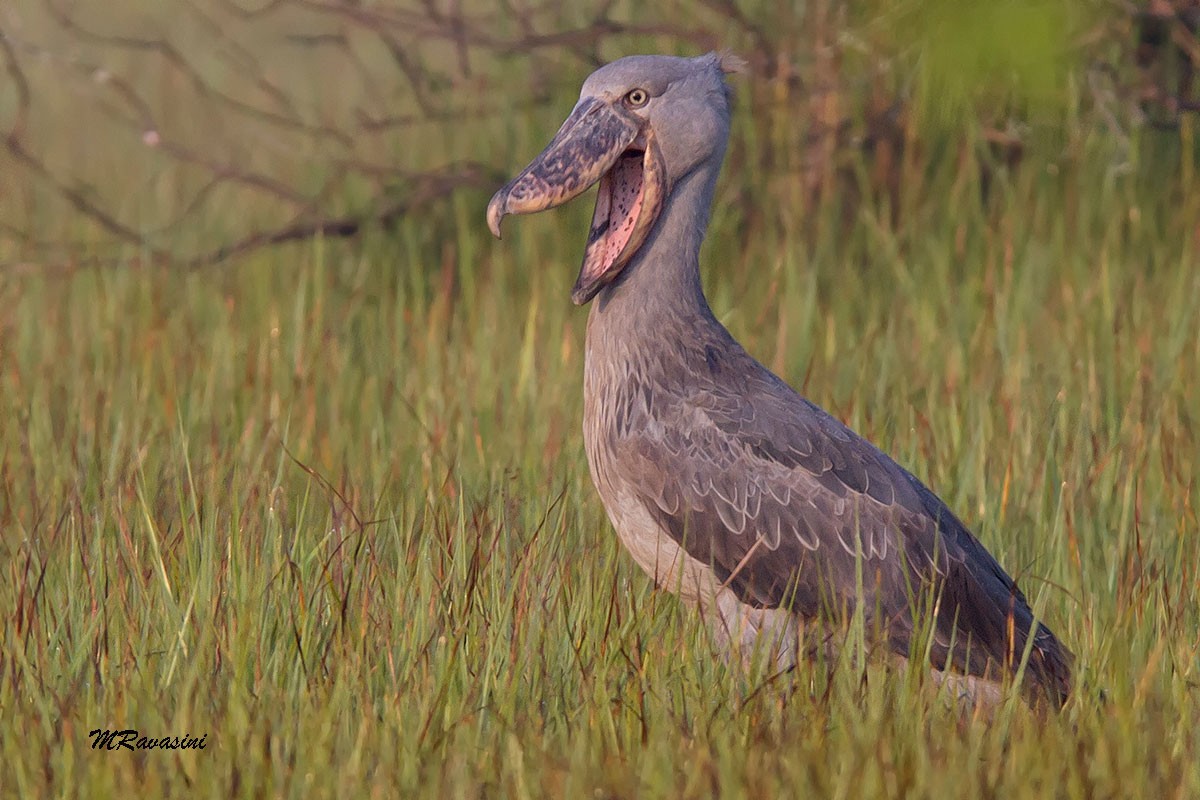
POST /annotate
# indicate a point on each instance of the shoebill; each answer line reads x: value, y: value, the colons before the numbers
x: 727, y: 486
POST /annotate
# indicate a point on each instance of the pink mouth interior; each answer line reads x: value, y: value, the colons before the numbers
x: 619, y: 204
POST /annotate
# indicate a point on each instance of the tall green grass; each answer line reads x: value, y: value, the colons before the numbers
x: 328, y: 505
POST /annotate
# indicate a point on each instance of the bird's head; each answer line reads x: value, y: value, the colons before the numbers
x: 642, y: 123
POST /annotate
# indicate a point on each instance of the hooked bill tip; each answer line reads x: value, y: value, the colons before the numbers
x: 495, y: 212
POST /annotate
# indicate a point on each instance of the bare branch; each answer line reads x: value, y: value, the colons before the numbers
x: 17, y: 129
x: 265, y: 120
x: 428, y: 189
x: 73, y: 196
x: 174, y: 59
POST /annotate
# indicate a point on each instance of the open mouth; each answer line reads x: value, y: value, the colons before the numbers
x: 627, y: 205
x: 597, y: 144
x: 618, y: 206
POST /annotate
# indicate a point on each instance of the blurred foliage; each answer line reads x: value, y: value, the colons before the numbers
x: 981, y: 60
x: 249, y: 126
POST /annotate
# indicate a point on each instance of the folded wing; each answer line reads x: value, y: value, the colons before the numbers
x: 791, y: 508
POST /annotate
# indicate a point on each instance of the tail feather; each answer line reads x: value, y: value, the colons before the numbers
x: 1050, y: 667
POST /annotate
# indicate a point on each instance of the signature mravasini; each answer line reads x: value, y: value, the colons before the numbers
x: 129, y: 739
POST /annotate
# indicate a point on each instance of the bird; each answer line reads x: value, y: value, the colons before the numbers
x: 783, y: 527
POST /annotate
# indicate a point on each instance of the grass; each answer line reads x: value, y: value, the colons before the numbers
x: 328, y: 505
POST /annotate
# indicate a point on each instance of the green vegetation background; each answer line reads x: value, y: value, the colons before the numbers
x: 327, y: 503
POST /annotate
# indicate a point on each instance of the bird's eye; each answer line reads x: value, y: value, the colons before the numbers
x: 637, y: 98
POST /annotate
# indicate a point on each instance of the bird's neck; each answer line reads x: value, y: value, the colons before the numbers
x: 664, y: 276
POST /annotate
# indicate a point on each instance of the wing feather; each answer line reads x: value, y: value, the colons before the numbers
x: 785, y: 503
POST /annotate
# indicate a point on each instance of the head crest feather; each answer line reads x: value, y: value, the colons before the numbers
x: 730, y: 62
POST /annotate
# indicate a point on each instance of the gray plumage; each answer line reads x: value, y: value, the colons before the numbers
x: 725, y: 484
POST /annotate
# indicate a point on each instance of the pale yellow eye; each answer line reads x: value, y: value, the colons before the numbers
x: 637, y: 98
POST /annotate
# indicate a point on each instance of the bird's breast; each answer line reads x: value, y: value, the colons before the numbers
x: 622, y: 392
